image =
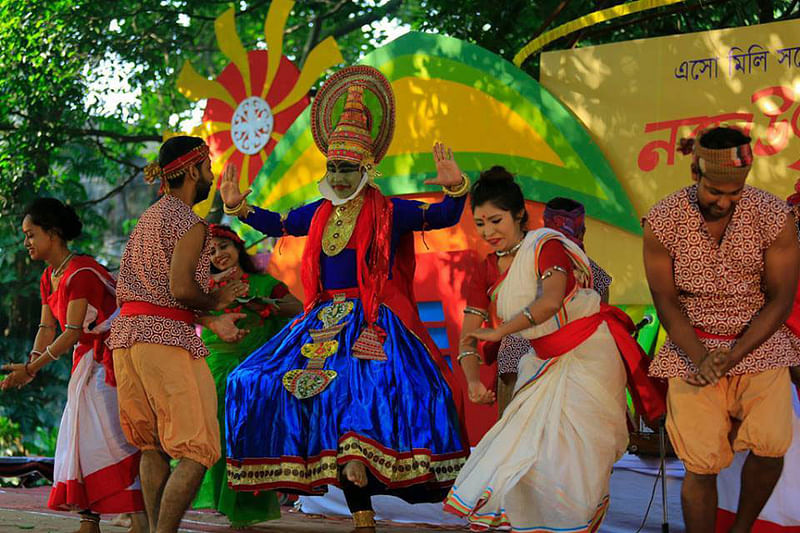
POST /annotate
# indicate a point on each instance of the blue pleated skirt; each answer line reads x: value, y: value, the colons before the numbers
x: 395, y: 416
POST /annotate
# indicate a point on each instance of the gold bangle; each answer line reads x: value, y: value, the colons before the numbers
x: 364, y: 519
x: 241, y: 210
x: 459, y: 190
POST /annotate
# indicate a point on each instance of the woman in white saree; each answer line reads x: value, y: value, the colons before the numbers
x: 545, y: 465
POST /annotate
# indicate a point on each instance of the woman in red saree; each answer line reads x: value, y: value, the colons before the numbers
x: 96, y: 470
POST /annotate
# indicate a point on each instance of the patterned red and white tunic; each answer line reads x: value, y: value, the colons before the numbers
x: 720, y: 287
x: 144, y: 277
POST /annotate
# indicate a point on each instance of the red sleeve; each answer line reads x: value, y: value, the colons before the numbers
x: 84, y: 284
x: 44, y: 286
x: 553, y: 254
x: 279, y: 291
x: 477, y: 284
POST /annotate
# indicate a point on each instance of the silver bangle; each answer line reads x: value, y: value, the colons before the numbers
x: 527, y: 314
x: 468, y: 353
x: 72, y: 326
x: 469, y: 310
x: 46, y: 326
x: 50, y: 354
x: 554, y: 268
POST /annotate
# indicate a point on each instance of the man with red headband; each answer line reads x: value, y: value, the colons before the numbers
x: 354, y: 393
x: 167, y: 399
x: 721, y: 260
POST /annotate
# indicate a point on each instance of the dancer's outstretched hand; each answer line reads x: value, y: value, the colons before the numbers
x: 448, y: 173
x: 478, y: 393
x: 224, y: 326
x: 229, y: 187
x: 17, y: 377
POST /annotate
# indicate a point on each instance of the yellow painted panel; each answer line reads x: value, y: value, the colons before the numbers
x: 195, y: 87
x: 230, y: 45
x: 468, y: 120
x: 325, y: 55
x: 274, y: 27
x: 308, y: 168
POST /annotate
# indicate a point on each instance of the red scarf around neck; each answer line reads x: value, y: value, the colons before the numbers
x: 372, y: 234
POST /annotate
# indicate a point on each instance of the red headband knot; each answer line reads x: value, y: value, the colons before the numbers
x: 224, y: 233
x: 174, y: 168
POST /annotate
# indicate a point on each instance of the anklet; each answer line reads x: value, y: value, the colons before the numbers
x: 364, y: 518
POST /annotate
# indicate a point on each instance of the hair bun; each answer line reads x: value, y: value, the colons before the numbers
x: 52, y: 214
x: 496, y: 174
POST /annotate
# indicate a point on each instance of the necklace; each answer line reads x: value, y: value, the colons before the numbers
x: 60, y: 269
x: 510, y: 251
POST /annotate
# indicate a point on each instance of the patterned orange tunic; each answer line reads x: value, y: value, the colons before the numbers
x: 144, y: 277
x: 720, y: 287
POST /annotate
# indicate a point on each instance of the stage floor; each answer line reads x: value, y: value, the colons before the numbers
x: 25, y: 510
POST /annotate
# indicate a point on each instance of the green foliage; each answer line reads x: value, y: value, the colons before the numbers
x: 42, y: 442
x: 10, y: 438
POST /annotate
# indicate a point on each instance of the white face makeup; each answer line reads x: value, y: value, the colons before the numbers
x: 343, y: 177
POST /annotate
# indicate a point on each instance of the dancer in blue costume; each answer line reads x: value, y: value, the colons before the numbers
x: 354, y: 393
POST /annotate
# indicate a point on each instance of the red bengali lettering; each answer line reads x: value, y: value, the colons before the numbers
x: 776, y: 138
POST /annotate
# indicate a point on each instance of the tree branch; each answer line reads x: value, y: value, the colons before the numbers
x: 108, y: 155
x: 114, y: 191
x: 311, y: 41
x: 549, y: 20
x: 376, y: 14
x: 120, y: 137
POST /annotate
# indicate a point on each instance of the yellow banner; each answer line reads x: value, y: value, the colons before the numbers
x: 639, y: 98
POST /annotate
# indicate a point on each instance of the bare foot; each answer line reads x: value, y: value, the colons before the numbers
x: 139, y: 523
x: 356, y: 473
x: 122, y: 520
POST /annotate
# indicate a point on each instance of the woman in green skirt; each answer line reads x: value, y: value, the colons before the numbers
x: 266, y: 310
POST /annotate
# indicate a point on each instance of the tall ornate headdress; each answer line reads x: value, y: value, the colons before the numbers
x: 718, y: 164
x: 362, y: 132
x: 174, y: 168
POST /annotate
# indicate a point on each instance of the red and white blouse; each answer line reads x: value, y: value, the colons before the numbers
x: 144, y: 277
x: 720, y: 286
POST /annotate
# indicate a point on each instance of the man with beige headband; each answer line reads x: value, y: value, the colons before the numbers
x: 721, y: 260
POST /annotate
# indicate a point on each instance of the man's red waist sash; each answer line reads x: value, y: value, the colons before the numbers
x: 649, y: 396
x: 706, y: 335
x: 148, y: 309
